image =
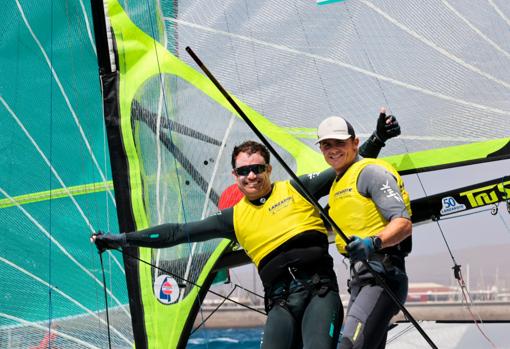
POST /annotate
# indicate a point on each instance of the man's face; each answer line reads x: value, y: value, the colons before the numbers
x: 339, y: 154
x: 252, y: 184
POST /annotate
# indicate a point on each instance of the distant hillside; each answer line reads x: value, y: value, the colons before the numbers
x: 487, y: 266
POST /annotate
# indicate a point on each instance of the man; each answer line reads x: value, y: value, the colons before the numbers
x: 283, y: 235
x: 369, y: 204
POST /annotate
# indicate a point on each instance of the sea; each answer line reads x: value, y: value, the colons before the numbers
x: 246, y: 338
x: 445, y: 336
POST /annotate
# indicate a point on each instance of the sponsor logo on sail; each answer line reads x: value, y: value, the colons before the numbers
x: 166, y: 289
x: 450, y: 205
x: 488, y: 195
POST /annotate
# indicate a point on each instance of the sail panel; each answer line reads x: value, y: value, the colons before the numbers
x: 55, y: 183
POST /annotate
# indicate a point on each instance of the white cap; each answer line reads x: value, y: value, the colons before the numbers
x: 335, y: 127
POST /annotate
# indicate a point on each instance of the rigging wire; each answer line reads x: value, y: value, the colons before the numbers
x: 456, y: 267
x: 503, y: 221
x: 222, y: 146
x: 204, y: 320
x: 225, y: 298
x: 457, y: 272
x: 106, y: 302
x: 50, y: 230
x: 163, y: 107
x: 465, y: 214
x: 469, y: 303
x: 167, y: 112
x: 205, y: 210
x: 164, y: 97
x: 193, y: 283
x: 466, y: 296
x: 402, y: 332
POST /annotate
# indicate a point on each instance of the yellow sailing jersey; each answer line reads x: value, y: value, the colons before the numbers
x: 354, y: 213
x: 285, y: 214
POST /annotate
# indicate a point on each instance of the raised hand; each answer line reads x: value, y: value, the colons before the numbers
x: 387, y: 126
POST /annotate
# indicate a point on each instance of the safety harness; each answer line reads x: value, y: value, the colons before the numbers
x: 304, y: 259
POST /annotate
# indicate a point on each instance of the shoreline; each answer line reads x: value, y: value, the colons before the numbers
x: 239, y: 317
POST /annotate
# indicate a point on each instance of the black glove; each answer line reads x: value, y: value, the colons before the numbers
x: 387, y: 127
x: 108, y: 241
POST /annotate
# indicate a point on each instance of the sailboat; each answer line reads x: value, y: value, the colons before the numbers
x: 108, y: 124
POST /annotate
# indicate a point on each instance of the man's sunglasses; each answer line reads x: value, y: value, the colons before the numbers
x: 245, y: 170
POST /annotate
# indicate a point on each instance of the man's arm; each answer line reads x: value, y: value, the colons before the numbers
x: 395, y: 232
x: 166, y: 235
x: 381, y: 186
x: 317, y: 184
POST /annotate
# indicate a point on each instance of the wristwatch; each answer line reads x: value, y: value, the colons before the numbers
x: 377, y: 242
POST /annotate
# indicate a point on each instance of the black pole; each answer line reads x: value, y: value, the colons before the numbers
x: 306, y: 193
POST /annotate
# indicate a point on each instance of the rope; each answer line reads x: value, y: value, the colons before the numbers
x: 214, y: 311
x: 467, y: 298
x: 106, y: 301
x: 195, y: 284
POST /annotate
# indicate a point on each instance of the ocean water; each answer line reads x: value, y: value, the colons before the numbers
x: 402, y: 336
x: 246, y: 338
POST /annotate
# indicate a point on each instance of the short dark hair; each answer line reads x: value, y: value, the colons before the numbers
x: 250, y: 147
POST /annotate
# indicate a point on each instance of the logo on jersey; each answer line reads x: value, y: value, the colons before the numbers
x: 280, y: 205
x: 342, y: 193
x: 166, y: 289
x: 390, y: 193
x: 450, y: 205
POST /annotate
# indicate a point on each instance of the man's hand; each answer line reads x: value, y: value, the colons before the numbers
x: 360, y: 249
x: 108, y: 241
x: 387, y: 126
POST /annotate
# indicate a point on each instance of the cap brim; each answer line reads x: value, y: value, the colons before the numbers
x: 333, y: 136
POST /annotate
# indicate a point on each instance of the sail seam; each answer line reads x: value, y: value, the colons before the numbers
x: 347, y: 66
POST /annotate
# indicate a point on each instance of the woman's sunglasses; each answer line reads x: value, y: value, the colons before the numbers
x: 245, y: 170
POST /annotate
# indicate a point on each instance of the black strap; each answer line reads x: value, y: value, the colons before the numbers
x: 305, y: 261
x: 308, y: 250
x: 389, y: 260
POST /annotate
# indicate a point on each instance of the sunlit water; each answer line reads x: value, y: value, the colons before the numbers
x: 246, y: 338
